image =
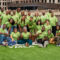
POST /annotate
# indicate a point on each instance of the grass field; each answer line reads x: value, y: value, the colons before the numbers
x: 50, y: 53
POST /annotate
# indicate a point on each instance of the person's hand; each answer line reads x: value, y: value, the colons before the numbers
x: 12, y: 40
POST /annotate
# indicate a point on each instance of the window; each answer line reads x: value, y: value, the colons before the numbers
x: 49, y: 1
x: 45, y: 1
x: 35, y: 0
x: 59, y: 1
x: 0, y: 3
x: 38, y: 0
x: 42, y: 1
x: 53, y: 1
x: 17, y: 2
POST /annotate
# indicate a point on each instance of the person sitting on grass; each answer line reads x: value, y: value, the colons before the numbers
x: 51, y: 37
x: 42, y: 37
x: 58, y: 36
x: 25, y: 37
x: 5, y: 43
x: 3, y: 34
x: 14, y: 36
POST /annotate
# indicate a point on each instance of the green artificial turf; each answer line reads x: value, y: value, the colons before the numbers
x: 50, y: 53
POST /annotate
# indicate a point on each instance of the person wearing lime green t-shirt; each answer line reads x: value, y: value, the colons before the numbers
x: 36, y: 17
x: 3, y: 30
x: 43, y: 33
x: 15, y: 17
x: 39, y: 26
x: 43, y: 18
x: 28, y: 16
x: 9, y: 25
x: 31, y: 25
x: 53, y: 22
x: 14, y: 37
x: 5, y: 17
x: 57, y: 30
x: 50, y: 34
x: 25, y: 37
x: 18, y: 13
x: 47, y: 25
x: 51, y: 37
x: 42, y: 39
x: 0, y: 22
x: 3, y: 34
x: 48, y: 14
x: 2, y: 11
x: 58, y: 35
x: 22, y: 23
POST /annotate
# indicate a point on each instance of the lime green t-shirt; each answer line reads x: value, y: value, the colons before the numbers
x: 42, y: 35
x: 39, y: 27
x: 50, y: 35
x: 1, y: 12
x: 15, y: 35
x: 48, y: 15
x: 15, y: 18
x: 22, y: 23
x: 5, y: 18
x: 28, y: 17
x: 47, y: 27
x: 25, y: 35
x: 3, y: 30
x: 58, y: 31
x: 8, y: 24
x: 53, y: 21
x: 36, y: 18
x: 9, y: 16
x: 43, y: 19
x: 18, y: 14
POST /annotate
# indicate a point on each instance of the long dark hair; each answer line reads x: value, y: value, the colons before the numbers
x: 38, y: 21
x: 12, y: 22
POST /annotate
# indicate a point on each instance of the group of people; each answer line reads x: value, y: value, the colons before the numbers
x: 16, y: 27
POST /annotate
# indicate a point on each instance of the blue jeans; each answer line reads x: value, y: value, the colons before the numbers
x: 2, y: 37
x: 23, y: 41
x: 10, y: 43
x: 9, y: 40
